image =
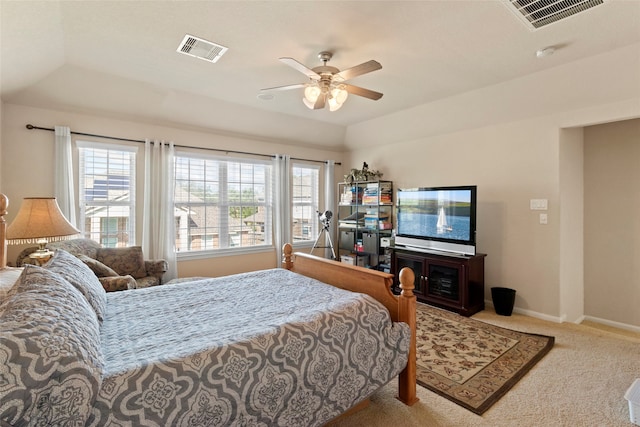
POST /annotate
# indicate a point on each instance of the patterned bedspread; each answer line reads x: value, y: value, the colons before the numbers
x: 257, y: 349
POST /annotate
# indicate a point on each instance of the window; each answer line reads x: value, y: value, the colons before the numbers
x: 304, y: 203
x: 221, y: 203
x: 107, y: 193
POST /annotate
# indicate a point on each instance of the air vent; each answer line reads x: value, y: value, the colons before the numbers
x: 538, y: 13
x: 201, y: 48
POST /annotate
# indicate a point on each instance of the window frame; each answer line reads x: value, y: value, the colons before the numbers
x: 107, y: 204
x: 314, y: 203
x: 223, y: 176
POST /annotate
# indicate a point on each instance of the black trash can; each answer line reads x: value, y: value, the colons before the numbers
x: 503, y: 299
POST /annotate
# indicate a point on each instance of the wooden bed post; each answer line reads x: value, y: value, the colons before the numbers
x: 4, y: 204
x: 287, y: 250
x: 407, y: 312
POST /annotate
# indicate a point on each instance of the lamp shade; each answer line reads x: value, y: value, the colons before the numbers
x: 39, y: 218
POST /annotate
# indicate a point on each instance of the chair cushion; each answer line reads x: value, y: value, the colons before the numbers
x: 124, y: 260
x: 80, y: 276
x: 97, y: 267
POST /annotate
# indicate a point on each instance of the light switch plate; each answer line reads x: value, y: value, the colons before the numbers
x: 538, y: 204
x: 543, y: 218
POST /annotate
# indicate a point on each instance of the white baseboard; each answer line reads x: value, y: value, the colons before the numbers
x: 530, y: 313
x: 542, y: 316
x: 611, y: 323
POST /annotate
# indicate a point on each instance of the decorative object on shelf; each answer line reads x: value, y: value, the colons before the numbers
x: 364, y: 174
x: 40, y: 221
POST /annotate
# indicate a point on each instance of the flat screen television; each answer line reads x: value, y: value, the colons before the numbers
x: 437, y: 219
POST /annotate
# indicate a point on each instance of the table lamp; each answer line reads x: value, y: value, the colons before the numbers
x: 40, y: 221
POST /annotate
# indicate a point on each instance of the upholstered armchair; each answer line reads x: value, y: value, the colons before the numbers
x: 117, y: 268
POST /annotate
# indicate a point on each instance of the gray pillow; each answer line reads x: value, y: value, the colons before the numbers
x: 49, y: 352
x: 80, y: 276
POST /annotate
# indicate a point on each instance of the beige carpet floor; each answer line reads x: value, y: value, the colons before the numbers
x: 580, y: 382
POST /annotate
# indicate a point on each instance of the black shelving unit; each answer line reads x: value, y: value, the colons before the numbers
x: 365, y: 218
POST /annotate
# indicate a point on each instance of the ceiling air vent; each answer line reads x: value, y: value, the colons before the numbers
x: 201, y: 48
x: 538, y: 13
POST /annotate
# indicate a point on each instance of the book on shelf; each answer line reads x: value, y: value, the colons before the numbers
x: 377, y: 194
x: 351, y: 195
x: 355, y: 219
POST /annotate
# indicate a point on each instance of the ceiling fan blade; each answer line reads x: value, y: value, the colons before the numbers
x: 358, y: 70
x: 320, y: 102
x: 287, y: 87
x: 356, y: 90
x: 302, y: 68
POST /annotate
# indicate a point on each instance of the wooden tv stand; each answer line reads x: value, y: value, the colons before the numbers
x: 449, y: 281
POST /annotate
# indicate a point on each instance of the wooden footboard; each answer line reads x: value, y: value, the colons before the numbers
x: 376, y: 284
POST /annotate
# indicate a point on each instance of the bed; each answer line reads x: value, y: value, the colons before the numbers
x: 292, y: 346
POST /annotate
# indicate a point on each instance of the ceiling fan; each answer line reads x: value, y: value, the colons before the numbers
x: 326, y: 85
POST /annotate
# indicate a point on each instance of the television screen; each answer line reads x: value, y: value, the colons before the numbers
x: 441, y: 214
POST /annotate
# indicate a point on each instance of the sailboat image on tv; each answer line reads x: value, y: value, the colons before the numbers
x: 442, y: 226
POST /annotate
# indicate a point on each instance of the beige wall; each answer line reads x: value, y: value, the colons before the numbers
x: 27, y: 169
x: 539, y: 158
x: 572, y: 220
x: 510, y: 164
x: 612, y: 221
x: 516, y: 141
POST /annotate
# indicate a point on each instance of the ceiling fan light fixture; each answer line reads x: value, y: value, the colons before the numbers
x: 308, y: 103
x: 311, y: 93
x: 333, y: 104
x: 339, y: 93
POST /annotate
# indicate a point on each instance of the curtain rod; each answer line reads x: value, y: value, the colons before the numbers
x: 31, y: 127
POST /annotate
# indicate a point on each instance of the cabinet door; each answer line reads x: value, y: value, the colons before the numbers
x: 444, y: 281
x: 417, y: 265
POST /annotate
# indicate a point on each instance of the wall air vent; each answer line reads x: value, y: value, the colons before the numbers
x: 538, y: 13
x: 200, y: 48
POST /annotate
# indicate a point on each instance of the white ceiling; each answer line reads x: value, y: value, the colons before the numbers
x: 118, y: 58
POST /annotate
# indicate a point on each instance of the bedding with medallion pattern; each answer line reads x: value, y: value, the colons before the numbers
x: 50, y: 356
x: 267, y: 348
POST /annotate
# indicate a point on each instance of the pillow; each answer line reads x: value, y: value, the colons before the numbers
x: 80, y: 276
x: 49, y: 352
x: 118, y: 283
x: 8, y: 277
x: 124, y: 260
x: 97, y: 267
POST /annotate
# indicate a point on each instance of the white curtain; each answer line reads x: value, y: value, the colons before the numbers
x: 64, y: 190
x: 158, y: 225
x: 282, y: 204
x: 330, y: 201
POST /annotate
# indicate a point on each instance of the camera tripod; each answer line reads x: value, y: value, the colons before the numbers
x: 327, y: 234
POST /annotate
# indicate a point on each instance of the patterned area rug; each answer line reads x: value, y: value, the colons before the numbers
x: 469, y: 362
